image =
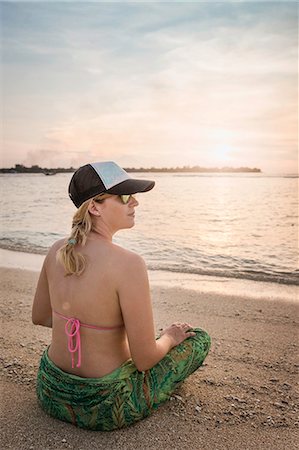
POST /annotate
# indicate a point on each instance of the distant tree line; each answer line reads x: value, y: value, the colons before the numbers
x: 19, y: 168
x: 194, y: 169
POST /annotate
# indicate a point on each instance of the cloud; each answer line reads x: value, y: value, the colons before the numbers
x: 150, y: 82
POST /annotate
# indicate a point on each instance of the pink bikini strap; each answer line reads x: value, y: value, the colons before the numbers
x: 72, y: 330
x: 85, y: 325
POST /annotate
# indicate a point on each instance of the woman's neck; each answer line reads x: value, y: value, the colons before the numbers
x: 100, y: 233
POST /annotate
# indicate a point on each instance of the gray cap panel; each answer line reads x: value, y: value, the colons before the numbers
x: 110, y: 173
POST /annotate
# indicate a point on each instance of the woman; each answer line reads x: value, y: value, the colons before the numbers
x: 104, y: 368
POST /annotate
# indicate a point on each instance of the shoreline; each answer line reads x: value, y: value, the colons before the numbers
x: 199, y: 283
x: 244, y: 396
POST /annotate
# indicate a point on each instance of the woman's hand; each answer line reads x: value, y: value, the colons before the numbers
x: 178, y: 332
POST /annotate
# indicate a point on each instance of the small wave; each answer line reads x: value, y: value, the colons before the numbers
x: 14, y: 247
x: 212, y: 265
x: 287, y: 278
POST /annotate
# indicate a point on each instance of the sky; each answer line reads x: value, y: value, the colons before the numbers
x: 145, y: 84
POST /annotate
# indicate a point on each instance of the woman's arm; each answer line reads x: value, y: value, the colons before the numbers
x: 41, y: 309
x: 136, y: 307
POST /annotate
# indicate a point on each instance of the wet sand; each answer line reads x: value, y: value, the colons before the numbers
x: 244, y: 397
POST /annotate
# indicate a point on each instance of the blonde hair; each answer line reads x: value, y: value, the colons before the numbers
x: 74, y: 262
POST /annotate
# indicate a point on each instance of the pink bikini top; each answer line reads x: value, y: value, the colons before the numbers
x: 72, y: 330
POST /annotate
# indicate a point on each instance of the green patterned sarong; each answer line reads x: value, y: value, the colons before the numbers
x: 123, y: 396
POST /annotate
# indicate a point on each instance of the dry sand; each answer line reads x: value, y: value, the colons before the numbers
x: 244, y: 397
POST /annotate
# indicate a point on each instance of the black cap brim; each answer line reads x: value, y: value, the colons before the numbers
x: 131, y: 186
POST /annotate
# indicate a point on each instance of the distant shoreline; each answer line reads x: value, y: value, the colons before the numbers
x: 19, y: 168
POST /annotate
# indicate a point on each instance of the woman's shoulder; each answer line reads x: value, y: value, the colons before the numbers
x: 51, y: 255
x: 54, y: 248
x: 57, y: 245
x: 129, y: 268
x: 128, y: 257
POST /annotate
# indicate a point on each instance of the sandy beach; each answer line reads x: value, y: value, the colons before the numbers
x: 244, y: 397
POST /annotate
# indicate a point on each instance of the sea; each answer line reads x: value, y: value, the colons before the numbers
x: 241, y: 225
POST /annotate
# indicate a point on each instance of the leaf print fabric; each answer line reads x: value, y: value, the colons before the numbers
x: 122, y: 397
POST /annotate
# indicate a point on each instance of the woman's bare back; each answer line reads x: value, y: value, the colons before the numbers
x: 92, y: 298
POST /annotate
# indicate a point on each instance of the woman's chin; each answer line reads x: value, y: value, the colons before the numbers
x: 132, y: 222
x: 129, y: 224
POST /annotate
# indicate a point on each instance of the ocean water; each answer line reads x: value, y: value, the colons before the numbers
x: 229, y: 225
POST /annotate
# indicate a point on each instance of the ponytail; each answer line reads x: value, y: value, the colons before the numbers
x: 74, y: 262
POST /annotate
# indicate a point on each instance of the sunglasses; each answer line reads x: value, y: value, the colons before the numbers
x: 124, y: 198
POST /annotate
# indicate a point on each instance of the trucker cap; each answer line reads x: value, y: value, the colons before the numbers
x: 104, y: 178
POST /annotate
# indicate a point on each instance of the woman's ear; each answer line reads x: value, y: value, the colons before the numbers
x: 93, y: 208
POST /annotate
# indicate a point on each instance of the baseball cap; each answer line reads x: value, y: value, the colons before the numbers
x: 104, y: 178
